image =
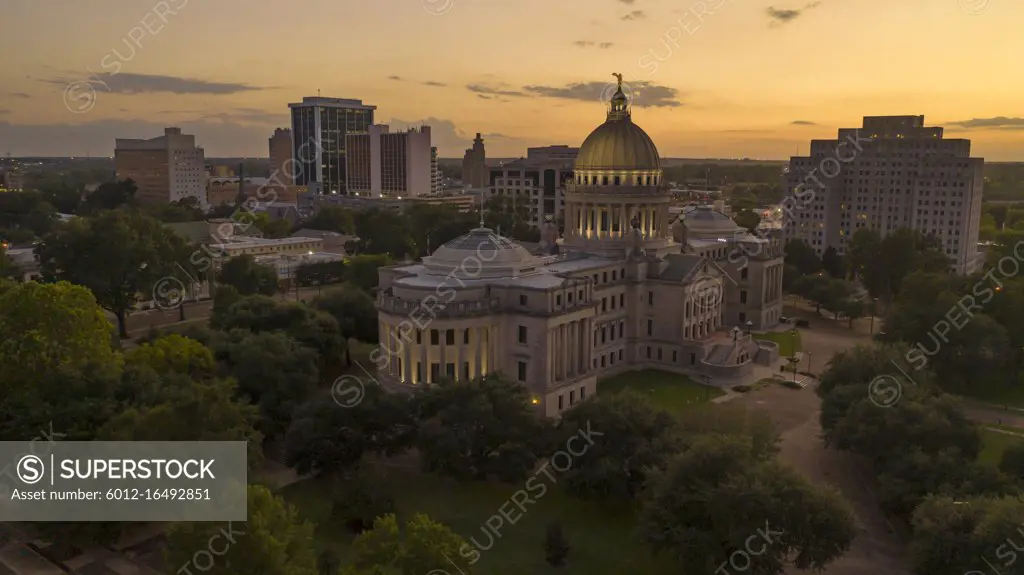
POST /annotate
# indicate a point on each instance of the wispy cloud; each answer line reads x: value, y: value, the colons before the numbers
x: 589, y: 44
x: 18, y: 95
x: 500, y: 90
x: 126, y: 83
x: 999, y: 122
x: 395, y: 78
x: 802, y: 123
x: 778, y: 16
x: 635, y: 15
x: 627, y: 1
x: 434, y: 84
x: 247, y: 116
x: 645, y: 94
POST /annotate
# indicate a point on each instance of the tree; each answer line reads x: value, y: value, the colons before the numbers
x: 359, y: 498
x: 479, y: 429
x: 556, y: 546
x: 385, y: 232
x: 966, y: 536
x: 1012, y: 462
x: 833, y: 263
x: 273, y: 541
x: 716, y: 500
x: 174, y: 353
x: 802, y: 256
x: 634, y: 438
x: 424, y: 546
x: 49, y: 328
x: 111, y: 195
x: 274, y: 372
x: 118, y: 255
x: 326, y: 439
x: 224, y: 297
x: 362, y: 272
x: 354, y: 310
x: 248, y: 277
x: 331, y: 219
x: 747, y: 218
x: 314, y: 329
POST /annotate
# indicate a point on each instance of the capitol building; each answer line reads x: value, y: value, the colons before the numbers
x: 624, y: 288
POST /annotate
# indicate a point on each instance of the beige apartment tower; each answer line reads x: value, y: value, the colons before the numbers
x: 618, y: 293
x: 165, y: 169
x: 386, y: 164
x: 893, y: 172
x: 282, y: 168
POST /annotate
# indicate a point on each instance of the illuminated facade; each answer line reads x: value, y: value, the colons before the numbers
x: 617, y: 293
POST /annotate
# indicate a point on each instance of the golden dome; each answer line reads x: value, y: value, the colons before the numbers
x: 618, y: 143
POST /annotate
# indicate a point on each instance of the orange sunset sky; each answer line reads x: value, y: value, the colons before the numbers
x: 745, y: 78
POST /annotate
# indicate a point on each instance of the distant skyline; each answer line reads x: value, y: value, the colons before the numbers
x: 712, y: 78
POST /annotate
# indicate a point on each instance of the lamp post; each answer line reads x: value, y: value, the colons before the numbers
x: 750, y: 326
x: 792, y: 334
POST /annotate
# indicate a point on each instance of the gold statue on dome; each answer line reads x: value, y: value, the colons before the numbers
x: 618, y: 77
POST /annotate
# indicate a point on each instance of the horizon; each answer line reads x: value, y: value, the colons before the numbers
x: 711, y: 78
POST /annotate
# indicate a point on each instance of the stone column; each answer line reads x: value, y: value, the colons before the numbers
x: 551, y: 355
x: 424, y: 364
x: 458, y: 354
x: 492, y: 335
x: 572, y: 349
x: 407, y: 362
x: 442, y: 341
x: 477, y: 340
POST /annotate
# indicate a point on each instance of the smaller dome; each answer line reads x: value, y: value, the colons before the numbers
x: 480, y: 254
x: 708, y: 219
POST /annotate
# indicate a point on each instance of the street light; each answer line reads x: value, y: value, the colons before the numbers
x: 874, y: 310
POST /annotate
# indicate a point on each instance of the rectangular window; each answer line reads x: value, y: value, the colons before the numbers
x: 650, y: 298
x: 558, y: 300
x: 435, y: 372
x: 560, y: 403
x: 743, y: 273
x: 449, y: 337
x: 583, y: 393
x: 650, y: 327
x: 743, y: 296
x: 622, y: 299
x: 572, y: 398
x: 465, y: 336
x: 522, y: 300
x: 648, y: 353
x: 522, y: 334
x: 449, y: 369
x: 522, y: 371
x: 419, y: 336
x: 435, y: 337
x: 465, y: 371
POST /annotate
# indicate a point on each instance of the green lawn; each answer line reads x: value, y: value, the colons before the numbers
x: 788, y: 343
x: 993, y: 444
x: 601, y: 537
x: 669, y: 391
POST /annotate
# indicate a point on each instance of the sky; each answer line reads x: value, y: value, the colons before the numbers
x: 709, y: 78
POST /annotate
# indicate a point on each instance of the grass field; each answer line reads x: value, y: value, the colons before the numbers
x: 669, y: 391
x: 993, y: 444
x: 788, y: 343
x: 601, y: 538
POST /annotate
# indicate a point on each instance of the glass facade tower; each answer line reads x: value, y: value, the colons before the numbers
x: 319, y: 127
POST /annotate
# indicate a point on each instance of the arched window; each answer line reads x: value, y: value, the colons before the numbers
x: 648, y: 180
x: 616, y: 180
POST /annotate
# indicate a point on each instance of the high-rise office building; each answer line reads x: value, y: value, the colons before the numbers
x: 891, y: 173
x: 474, y: 165
x: 386, y: 164
x: 537, y: 181
x: 436, y: 180
x: 165, y: 169
x: 319, y: 130
x: 281, y: 169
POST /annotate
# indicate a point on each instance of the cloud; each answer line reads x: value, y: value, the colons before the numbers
x: 147, y: 83
x: 645, y: 94
x: 627, y: 1
x: 1000, y: 122
x: 779, y: 16
x: 589, y: 44
x: 248, y: 116
x: 434, y: 84
x: 18, y: 95
x: 396, y: 78
x: 802, y: 123
x: 449, y: 139
x: 494, y: 91
x: 635, y: 15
